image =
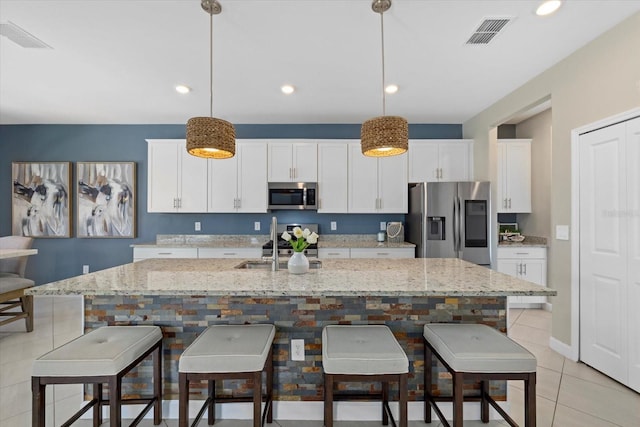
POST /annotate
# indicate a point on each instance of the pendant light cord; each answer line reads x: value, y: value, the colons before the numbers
x: 384, y: 97
x: 210, y: 64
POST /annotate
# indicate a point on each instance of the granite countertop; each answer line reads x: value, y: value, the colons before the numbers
x: 257, y: 240
x: 529, y: 241
x: 337, y: 277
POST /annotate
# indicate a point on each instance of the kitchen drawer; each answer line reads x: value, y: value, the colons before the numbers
x: 383, y: 253
x: 334, y: 253
x: 229, y: 252
x: 145, y: 253
x: 522, y: 252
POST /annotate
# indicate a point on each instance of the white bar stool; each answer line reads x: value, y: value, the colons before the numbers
x: 104, y: 355
x: 368, y: 353
x: 480, y: 353
x: 224, y: 352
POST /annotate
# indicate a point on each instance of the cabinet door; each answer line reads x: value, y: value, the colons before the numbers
x: 332, y: 177
x: 223, y: 184
x: 382, y: 252
x: 333, y: 253
x: 305, y: 161
x: 162, y: 177
x: 363, y: 181
x: 534, y: 270
x: 508, y: 266
x: 502, y: 178
x: 252, y: 177
x: 518, y: 177
x: 280, y: 167
x: 193, y: 182
x: 423, y: 161
x: 454, y: 161
x: 392, y: 184
x: 229, y: 252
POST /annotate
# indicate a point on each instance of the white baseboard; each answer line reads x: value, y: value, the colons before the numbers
x: 564, y: 349
x: 310, y: 411
x: 547, y: 306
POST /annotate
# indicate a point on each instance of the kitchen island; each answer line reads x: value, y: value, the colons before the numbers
x: 184, y: 296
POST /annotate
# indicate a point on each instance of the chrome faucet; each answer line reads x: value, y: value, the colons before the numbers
x: 275, y: 266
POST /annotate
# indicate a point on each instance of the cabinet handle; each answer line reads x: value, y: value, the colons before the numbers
x: 333, y: 253
x: 174, y: 203
x: 229, y: 253
x: 522, y: 253
x: 239, y: 203
x: 165, y: 253
x: 519, y: 269
x: 382, y: 253
x: 524, y: 266
x: 504, y: 203
x: 440, y: 169
x: 509, y: 202
x: 295, y: 173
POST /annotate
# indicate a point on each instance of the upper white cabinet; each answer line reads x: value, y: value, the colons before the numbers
x: 376, y: 185
x: 176, y: 181
x: 440, y: 160
x: 239, y: 184
x: 293, y: 161
x: 333, y: 179
x: 514, y: 175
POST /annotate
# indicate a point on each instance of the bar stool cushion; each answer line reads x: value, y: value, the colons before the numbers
x: 478, y: 348
x: 362, y: 350
x: 8, y: 283
x: 228, y: 348
x: 102, y: 352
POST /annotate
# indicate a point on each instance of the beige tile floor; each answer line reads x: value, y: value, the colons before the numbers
x: 569, y: 394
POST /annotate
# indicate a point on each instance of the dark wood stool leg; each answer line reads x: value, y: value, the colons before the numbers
x: 484, y: 403
x: 385, y: 403
x: 97, y: 410
x: 38, y: 403
x: 328, y: 400
x: 27, y: 307
x: 183, y: 400
x: 270, y: 387
x: 257, y: 399
x: 428, y: 378
x: 530, y: 401
x: 115, y: 401
x: 157, y: 384
x: 403, y: 392
x: 458, y: 386
x: 211, y: 409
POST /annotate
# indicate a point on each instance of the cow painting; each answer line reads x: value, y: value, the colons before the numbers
x: 40, y: 205
x: 106, y: 199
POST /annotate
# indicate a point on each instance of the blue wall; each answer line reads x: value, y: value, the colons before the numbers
x: 61, y: 258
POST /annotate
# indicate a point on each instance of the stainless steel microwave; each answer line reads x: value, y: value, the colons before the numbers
x: 292, y: 195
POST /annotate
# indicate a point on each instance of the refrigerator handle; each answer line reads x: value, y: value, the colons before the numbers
x: 459, y: 225
x: 455, y: 228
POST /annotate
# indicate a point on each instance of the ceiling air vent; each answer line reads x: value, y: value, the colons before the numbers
x: 21, y: 37
x: 487, y: 30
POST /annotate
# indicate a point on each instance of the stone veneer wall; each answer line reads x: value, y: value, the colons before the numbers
x: 182, y: 318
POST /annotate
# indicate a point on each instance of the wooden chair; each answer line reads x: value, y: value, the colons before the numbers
x: 13, y: 283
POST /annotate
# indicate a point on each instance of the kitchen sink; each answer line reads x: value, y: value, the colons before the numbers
x: 265, y: 265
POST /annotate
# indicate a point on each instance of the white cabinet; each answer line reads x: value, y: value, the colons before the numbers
x: 383, y: 252
x: 440, y: 160
x: 334, y: 253
x: 145, y: 253
x: 230, y: 253
x: 176, y: 180
x: 527, y: 263
x: 377, y: 185
x: 293, y: 161
x: 333, y: 188
x: 514, y: 175
x: 239, y: 184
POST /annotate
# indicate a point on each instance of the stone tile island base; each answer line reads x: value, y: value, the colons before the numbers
x: 182, y: 318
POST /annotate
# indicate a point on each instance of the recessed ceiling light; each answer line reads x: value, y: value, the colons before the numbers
x: 391, y: 89
x: 548, y: 7
x: 287, y: 89
x: 183, y: 89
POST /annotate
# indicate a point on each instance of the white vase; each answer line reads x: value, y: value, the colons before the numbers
x: 298, y: 263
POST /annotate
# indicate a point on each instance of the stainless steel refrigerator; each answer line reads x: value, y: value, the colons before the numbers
x: 450, y: 220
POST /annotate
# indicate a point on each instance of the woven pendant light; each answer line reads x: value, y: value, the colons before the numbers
x: 385, y: 135
x: 210, y: 137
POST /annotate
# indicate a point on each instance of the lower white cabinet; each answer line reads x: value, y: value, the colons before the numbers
x: 145, y: 253
x: 383, y: 252
x: 526, y: 263
x: 334, y: 253
x: 229, y: 252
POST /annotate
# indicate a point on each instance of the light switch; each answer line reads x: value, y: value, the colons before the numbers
x: 256, y: 226
x: 562, y: 232
x: 198, y: 226
x: 383, y: 226
x: 334, y: 225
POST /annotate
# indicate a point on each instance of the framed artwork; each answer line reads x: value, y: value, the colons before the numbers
x: 40, y: 203
x: 106, y: 199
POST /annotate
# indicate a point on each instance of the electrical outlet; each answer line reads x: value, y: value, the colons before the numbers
x: 383, y: 226
x: 198, y: 226
x: 334, y: 225
x: 256, y: 226
x: 85, y: 269
x: 297, y: 350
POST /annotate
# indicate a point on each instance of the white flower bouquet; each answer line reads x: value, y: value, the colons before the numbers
x: 303, y: 238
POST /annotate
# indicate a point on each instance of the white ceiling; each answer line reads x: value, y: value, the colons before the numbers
x: 117, y: 61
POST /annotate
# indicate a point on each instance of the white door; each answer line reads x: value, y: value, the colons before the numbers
x: 162, y: 177
x: 393, y: 191
x: 454, y: 161
x: 423, y: 161
x: 222, y: 184
x: 305, y: 161
x: 252, y: 177
x: 603, y: 252
x: 633, y: 230
x: 193, y: 180
x: 332, y: 177
x: 363, y: 181
x: 280, y: 167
